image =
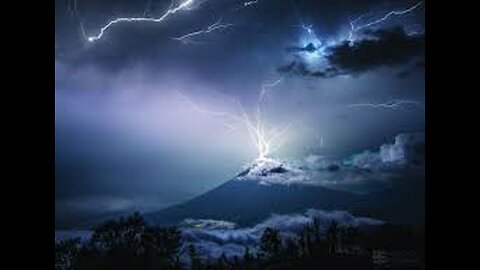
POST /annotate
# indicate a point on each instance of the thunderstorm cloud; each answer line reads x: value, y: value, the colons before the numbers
x: 380, y: 48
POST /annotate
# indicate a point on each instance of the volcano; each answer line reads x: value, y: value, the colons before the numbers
x: 254, y: 194
x: 270, y: 187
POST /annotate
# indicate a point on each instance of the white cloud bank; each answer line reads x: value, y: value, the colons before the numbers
x: 406, y: 149
x: 212, y: 243
x: 368, y: 170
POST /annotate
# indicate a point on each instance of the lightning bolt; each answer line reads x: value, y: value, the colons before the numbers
x: 311, y: 38
x: 187, y: 38
x: 319, y: 48
x: 354, y: 28
x: 72, y: 8
x: 319, y: 139
x: 249, y: 3
x: 182, y: 6
x: 277, y: 136
x: 262, y: 138
x: 245, y: 5
x: 309, y: 29
x: 265, y: 140
x: 388, y: 105
x: 201, y: 109
x: 267, y: 86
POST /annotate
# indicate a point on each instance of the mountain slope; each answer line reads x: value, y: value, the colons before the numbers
x: 248, y: 202
x: 268, y: 187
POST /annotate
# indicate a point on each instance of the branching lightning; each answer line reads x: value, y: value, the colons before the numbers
x: 246, y: 5
x: 311, y: 32
x: 310, y: 39
x: 308, y: 28
x: 72, y: 8
x: 249, y: 3
x: 187, y: 38
x: 394, y: 104
x: 354, y: 28
x: 267, y: 86
x: 201, y: 109
x: 172, y: 10
x: 264, y: 139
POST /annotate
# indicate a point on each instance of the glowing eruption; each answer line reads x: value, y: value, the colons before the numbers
x: 264, y: 139
x: 170, y: 11
x: 187, y: 38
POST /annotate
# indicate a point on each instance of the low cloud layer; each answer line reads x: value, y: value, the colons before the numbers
x: 213, y: 238
x: 370, y: 170
x: 407, y: 149
x: 212, y: 243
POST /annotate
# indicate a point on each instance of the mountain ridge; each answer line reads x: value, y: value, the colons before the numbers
x: 247, y: 202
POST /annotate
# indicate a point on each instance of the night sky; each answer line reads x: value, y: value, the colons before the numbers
x: 142, y: 116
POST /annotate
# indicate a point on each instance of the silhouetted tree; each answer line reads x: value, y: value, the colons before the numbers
x: 124, y: 234
x: 223, y: 263
x: 66, y: 252
x: 247, y: 256
x: 162, y: 242
x: 331, y: 236
x: 129, y: 243
x: 292, y: 250
x: 349, y: 235
x: 195, y: 262
x: 270, y: 243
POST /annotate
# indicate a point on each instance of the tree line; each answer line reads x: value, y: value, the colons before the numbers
x: 130, y: 243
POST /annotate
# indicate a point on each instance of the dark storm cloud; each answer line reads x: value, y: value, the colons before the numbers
x: 257, y: 28
x: 298, y: 67
x: 308, y: 48
x: 388, y: 48
x: 380, y: 48
x: 412, y: 69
